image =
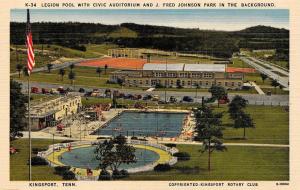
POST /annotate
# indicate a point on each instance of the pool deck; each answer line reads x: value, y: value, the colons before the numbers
x: 83, y: 131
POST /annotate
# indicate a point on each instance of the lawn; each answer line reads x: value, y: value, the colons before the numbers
x: 237, y: 163
x: 18, y: 162
x: 271, y: 126
x: 53, y: 52
x: 239, y: 63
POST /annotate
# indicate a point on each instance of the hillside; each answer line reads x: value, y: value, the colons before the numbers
x: 216, y: 43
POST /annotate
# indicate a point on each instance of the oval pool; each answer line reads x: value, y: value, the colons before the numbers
x: 85, y: 158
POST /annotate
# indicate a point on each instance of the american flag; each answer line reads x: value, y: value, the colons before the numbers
x: 29, y: 44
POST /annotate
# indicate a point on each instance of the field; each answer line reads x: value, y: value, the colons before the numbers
x: 52, y: 53
x: 271, y: 126
x: 237, y: 163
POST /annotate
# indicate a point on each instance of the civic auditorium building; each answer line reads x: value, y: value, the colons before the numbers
x: 184, y: 75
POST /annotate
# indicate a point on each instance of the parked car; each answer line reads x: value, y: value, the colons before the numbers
x: 137, y: 97
x: 147, y: 97
x: 34, y: 90
x: 81, y: 90
x: 45, y: 91
x: 107, y: 93
x: 54, y: 91
x: 172, y: 99
x: 155, y: 98
x: 128, y: 96
x: 187, y: 99
x: 224, y: 100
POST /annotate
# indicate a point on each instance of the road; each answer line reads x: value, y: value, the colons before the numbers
x: 253, y: 99
x: 268, y: 69
x: 56, y: 66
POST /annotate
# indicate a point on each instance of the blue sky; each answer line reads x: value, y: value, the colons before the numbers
x: 212, y: 19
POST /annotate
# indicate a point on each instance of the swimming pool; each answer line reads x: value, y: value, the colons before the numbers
x: 85, y: 158
x: 161, y: 124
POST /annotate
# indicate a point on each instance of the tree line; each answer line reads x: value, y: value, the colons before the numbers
x: 215, y: 43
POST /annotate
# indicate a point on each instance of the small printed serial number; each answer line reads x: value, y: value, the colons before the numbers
x: 30, y: 4
x: 282, y: 184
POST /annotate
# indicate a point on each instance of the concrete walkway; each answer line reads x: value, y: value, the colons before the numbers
x: 43, y: 135
x: 257, y: 88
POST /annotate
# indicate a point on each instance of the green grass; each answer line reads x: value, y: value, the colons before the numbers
x: 239, y: 63
x: 275, y: 91
x: 123, y: 33
x: 237, y: 163
x: 53, y: 52
x: 18, y: 162
x: 271, y: 125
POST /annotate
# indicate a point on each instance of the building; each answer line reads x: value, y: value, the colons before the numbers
x: 51, y: 112
x: 180, y: 75
x: 136, y: 52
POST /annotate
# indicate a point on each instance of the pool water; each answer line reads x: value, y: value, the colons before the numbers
x: 144, y: 124
x: 85, y: 158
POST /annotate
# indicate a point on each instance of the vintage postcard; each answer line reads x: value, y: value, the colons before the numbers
x: 149, y: 94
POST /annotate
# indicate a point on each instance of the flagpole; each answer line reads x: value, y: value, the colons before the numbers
x: 29, y: 127
x: 28, y: 86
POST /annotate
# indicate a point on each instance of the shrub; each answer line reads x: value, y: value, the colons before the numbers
x: 68, y: 175
x: 60, y: 170
x: 116, y: 174
x: 104, y: 175
x: 38, y: 161
x: 162, y: 167
x: 170, y: 145
x: 124, y: 173
x: 182, y: 156
x: 36, y: 150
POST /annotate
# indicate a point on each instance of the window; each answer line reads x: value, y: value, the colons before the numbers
x: 207, y: 75
x: 232, y: 84
x: 206, y: 83
x: 189, y: 83
x: 147, y: 82
x: 219, y: 83
x: 183, y: 83
x: 226, y: 83
x: 239, y: 84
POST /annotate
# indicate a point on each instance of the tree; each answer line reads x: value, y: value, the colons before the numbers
x: 243, y: 120
x: 236, y: 112
x: 49, y: 67
x: 72, y: 77
x: 72, y: 66
x: 17, y: 110
x: 112, y: 153
x: 263, y: 77
x: 99, y: 71
x: 19, y: 68
x: 25, y: 71
x: 209, y: 131
x: 236, y: 105
x: 274, y: 83
x: 217, y: 92
x: 62, y: 73
x: 105, y: 68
